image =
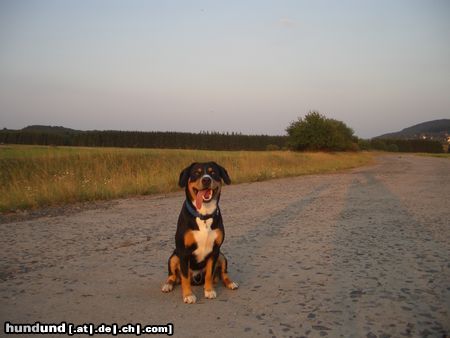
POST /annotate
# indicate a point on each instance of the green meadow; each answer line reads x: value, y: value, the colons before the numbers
x: 39, y: 176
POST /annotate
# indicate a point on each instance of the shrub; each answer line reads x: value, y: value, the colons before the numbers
x: 364, y: 144
x: 392, y: 147
x: 272, y: 147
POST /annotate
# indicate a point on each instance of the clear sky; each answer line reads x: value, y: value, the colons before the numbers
x: 245, y: 66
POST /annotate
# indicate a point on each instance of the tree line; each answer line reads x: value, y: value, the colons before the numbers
x: 135, y: 139
x: 405, y: 146
x: 314, y: 132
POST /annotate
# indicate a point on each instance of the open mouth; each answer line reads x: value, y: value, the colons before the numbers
x: 203, y: 196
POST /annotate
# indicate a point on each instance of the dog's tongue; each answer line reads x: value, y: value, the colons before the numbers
x: 200, y: 195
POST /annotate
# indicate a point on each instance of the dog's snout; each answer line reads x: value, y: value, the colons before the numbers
x: 206, y: 181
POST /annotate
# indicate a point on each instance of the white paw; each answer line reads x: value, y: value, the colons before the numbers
x: 233, y: 286
x: 167, y: 287
x: 191, y: 299
x: 210, y: 294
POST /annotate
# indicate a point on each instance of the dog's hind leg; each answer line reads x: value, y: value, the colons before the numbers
x: 174, y: 270
x: 222, y: 266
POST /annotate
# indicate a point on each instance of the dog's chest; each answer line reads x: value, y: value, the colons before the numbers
x: 205, y: 238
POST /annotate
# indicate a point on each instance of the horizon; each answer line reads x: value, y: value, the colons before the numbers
x: 201, y: 131
x: 249, y: 68
x: 208, y: 131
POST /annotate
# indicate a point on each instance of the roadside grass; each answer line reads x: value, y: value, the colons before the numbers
x: 441, y: 155
x: 38, y: 176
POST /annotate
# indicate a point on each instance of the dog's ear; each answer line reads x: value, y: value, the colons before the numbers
x: 223, y: 173
x: 184, y: 175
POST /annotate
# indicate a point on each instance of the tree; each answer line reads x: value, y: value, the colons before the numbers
x: 317, y: 132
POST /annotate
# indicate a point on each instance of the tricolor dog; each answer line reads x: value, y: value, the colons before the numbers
x: 197, y: 258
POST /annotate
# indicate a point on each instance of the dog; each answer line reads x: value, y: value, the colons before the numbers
x: 197, y: 259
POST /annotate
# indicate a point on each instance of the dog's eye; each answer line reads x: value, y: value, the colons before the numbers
x: 215, y: 176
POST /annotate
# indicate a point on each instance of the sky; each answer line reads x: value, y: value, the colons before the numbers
x: 242, y: 66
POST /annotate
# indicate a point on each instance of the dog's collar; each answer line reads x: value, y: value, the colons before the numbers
x: 195, y: 213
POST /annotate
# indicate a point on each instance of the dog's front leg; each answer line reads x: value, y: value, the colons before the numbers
x: 209, y: 275
x: 188, y: 296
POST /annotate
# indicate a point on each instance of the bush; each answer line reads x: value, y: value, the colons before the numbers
x: 272, y: 147
x: 378, y: 144
x: 316, y: 132
x: 392, y: 147
x: 364, y: 144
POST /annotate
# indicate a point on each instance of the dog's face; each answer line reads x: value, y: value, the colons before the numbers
x: 203, y: 182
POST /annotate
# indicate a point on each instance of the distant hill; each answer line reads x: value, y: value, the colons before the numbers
x: 50, y: 129
x: 435, y: 130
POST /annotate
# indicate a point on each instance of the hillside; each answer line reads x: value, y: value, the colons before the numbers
x: 436, y: 129
x: 50, y: 129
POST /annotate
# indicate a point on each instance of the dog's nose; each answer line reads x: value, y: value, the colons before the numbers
x: 206, y: 181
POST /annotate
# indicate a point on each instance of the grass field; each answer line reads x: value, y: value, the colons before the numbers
x: 37, y: 176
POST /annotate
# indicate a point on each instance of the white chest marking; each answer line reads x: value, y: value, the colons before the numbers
x: 204, y: 237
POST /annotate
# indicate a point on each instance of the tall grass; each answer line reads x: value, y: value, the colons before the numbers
x: 36, y: 176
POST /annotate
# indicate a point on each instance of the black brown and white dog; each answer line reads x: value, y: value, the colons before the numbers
x: 200, y: 233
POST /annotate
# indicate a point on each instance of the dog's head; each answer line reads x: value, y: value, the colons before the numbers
x: 203, y: 182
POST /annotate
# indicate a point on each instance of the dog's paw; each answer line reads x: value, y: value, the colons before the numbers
x: 210, y: 294
x: 167, y: 287
x: 190, y: 299
x: 232, y: 285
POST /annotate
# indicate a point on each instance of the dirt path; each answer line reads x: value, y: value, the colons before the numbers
x: 363, y: 253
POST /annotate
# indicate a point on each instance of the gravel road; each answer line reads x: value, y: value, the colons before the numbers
x: 361, y: 253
